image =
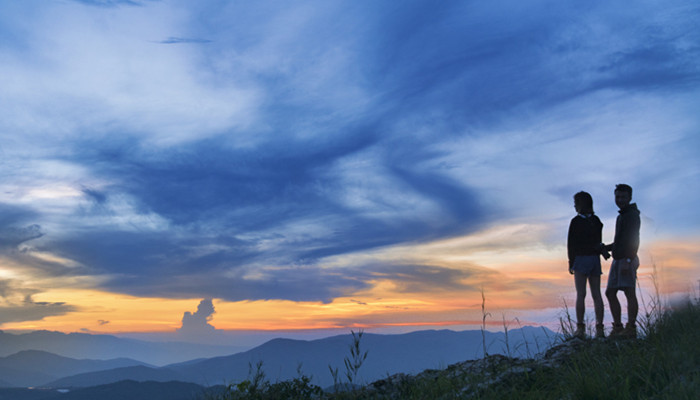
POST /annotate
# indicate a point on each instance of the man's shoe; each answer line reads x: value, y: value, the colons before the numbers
x: 580, y: 331
x: 599, y: 331
x: 617, y: 329
x: 630, y: 331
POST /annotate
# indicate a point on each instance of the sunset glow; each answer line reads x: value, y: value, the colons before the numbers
x: 531, y: 281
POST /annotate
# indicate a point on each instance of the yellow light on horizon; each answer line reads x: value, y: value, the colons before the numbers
x: 535, y: 279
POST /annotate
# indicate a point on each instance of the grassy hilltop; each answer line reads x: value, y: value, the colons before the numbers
x: 663, y: 364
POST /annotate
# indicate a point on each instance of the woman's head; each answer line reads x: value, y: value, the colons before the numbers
x: 583, y: 203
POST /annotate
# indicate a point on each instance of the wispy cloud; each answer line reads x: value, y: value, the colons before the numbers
x: 112, y: 3
x: 176, y: 40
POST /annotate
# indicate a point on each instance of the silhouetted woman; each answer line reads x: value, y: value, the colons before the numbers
x: 585, y: 248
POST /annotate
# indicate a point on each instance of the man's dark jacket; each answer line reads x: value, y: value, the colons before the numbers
x: 627, y: 226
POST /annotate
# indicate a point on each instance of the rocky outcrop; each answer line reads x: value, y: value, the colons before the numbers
x: 475, y: 375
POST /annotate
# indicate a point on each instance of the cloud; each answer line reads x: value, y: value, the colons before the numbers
x: 13, y: 237
x: 176, y: 40
x: 197, y: 324
x: 259, y: 212
x: 17, y: 304
x: 297, y: 283
x: 424, y: 278
x: 111, y: 3
x: 117, y: 79
x: 95, y: 195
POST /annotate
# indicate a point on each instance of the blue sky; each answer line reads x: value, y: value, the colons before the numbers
x: 249, y: 151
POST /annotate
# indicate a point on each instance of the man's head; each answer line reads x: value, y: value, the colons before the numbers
x: 623, y: 195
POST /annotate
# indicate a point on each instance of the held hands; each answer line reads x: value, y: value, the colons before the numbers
x: 603, y: 249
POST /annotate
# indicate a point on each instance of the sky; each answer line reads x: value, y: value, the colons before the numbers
x: 198, y: 168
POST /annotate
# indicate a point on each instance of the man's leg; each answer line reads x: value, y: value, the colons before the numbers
x: 632, y: 305
x: 611, y: 294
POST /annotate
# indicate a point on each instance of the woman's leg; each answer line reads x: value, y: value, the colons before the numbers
x: 580, y: 281
x: 594, y: 283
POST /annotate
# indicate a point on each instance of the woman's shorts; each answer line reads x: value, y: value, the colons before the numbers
x: 587, y: 265
x: 623, y: 274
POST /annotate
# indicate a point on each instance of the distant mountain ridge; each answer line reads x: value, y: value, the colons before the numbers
x: 283, y: 358
x: 35, y: 367
x: 137, y: 373
x: 105, y: 347
x: 387, y: 354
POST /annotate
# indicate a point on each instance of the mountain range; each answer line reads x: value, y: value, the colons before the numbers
x: 280, y: 359
x: 103, y: 347
x: 35, y: 367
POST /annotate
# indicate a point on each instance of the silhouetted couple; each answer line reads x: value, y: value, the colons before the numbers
x: 585, y: 246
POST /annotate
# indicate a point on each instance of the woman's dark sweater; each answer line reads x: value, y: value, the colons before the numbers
x: 585, y: 236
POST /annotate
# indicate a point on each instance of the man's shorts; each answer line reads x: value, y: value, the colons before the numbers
x: 623, y: 273
x: 587, y: 265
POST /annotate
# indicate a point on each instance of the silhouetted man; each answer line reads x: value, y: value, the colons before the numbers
x: 623, y: 270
